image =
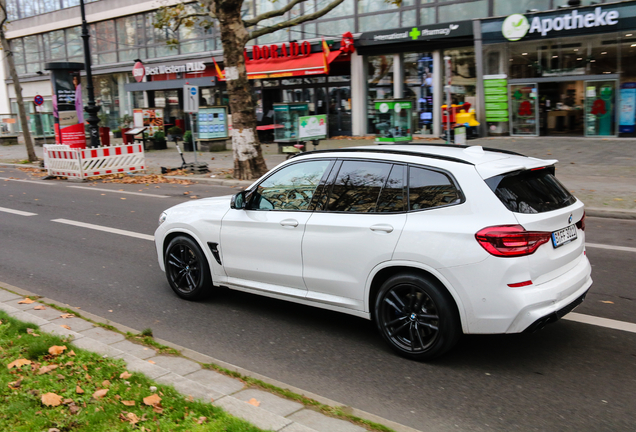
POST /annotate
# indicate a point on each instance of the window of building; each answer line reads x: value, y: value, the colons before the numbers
x: 463, y: 75
x: 428, y: 188
x: 32, y: 54
x: 463, y: 11
x: 418, y: 86
x: 129, y: 37
x: 17, y: 48
x: 428, y: 16
x: 74, y: 44
x: 374, y: 22
x: 508, y: 7
x: 357, y: 186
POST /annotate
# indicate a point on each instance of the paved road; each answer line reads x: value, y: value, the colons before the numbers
x: 570, y: 376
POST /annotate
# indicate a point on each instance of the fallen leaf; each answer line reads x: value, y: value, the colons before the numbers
x: 125, y: 375
x: 51, y: 399
x: 29, y: 330
x: 202, y: 419
x: 26, y: 301
x: 100, y: 393
x: 123, y: 198
x: 152, y: 399
x: 39, y: 307
x: 157, y: 409
x: 132, y: 417
x: 53, y: 430
x: 607, y: 302
x: 67, y: 401
x: 45, y: 369
x: 79, y: 390
x: 128, y: 403
x: 71, y: 353
x: 151, y: 362
x: 57, y: 350
x: 117, y: 397
x: 15, y: 384
x: 110, y: 310
x: 253, y: 402
x: 67, y: 315
x: 65, y: 326
x: 18, y: 363
x: 105, y: 383
x: 73, y: 408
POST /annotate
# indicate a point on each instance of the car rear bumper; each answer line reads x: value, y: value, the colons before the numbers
x: 555, y: 316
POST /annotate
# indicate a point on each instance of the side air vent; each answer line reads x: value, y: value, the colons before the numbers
x: 214, y: 247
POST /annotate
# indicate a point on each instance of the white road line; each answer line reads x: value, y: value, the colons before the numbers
x: 121, y: 192
x: 105, y: 229
x: 42, y: 182
x: 601, y: 322
x: 610, y: 247
x: 18, y: 212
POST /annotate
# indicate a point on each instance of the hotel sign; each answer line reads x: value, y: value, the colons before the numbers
x: 139, y: 70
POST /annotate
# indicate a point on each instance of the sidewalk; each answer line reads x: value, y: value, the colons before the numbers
x: 185, y: 373
x: 600, y: 172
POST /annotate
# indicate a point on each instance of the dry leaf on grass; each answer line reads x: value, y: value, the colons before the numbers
x: 67, y: 401
x: 100, y: 393
x: 202, y: 420
x: 45, y: 369
x: 79, y: 390
x: 152, y: 399
x: 15, y: 384
x: 254, y: 402
x: 57, y: 350
x: 39, y: 307
x: 73, y: 408
x: 51, y: 399
x: 105, y: 383
x: 71, y: 353
x: 18, y: 363
x: 67, y: 315
x: 128, y: 403
x: 132, y: 417
x: 125, y: 375
x: 26, y: 301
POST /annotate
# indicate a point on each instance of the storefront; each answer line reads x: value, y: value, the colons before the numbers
x: 407, y: 63
x: 569, y: 72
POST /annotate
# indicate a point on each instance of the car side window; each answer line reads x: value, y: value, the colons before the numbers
x: 290, y: 188
x: 392, y: 198
x: 428, y: 188
x: 357, y: 187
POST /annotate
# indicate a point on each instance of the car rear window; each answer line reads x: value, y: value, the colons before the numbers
x: 531, y: 191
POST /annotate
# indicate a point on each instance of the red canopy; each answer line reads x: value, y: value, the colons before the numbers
x: 312, y: 64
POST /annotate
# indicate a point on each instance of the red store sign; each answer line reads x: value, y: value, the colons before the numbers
x: 292, y: 49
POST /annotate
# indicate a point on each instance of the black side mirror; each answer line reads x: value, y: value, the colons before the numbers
x: 238, y: 201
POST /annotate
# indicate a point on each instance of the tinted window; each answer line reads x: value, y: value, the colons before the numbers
x: 358, y: 186
x: 429, y: 188
x: 392, y: 197
x: 531, y: 191
x: 291, y: 188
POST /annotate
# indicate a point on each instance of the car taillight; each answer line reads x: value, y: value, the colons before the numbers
x: 511, y: 240
x: 581, y: 224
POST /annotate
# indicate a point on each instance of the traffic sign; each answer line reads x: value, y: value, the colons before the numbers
x: 38, y: 100
x: 190, y: 98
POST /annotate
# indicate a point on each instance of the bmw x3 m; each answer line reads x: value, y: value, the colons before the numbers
x: 428, y: 241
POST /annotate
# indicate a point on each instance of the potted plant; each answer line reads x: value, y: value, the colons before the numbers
x: 117, y: 133
x: 159, y: 140
x: 174, y: 133
x: 187, y: 141
x: 124, y: 125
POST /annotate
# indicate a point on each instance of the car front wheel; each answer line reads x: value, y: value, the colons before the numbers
x: 416, y: 317
x: 187, y: 269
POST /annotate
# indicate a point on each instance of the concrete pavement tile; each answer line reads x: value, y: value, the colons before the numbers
x: 76, y: 324
x: 105, y: 336
x: 178, y: 365
x: 189, y: 388
x: 142, y: 366
x: 8, y: 309
x: 322, y: 423
x: 270, y: 402
x: 297, y: 427
x: 57, y: 329
x: 91, y: 344
x: 27, y: 317
x: 257, y: 416
x: 137, y: 350
x: 6, y: 296
x: 216, y: 381
x: 48, y: 313
x: 15, y: 304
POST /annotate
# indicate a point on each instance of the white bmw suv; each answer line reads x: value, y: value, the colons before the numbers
x: 429, y: 241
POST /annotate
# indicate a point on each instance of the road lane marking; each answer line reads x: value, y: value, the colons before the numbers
x: 105, y: 229
x: 18, y: 212
x: 121, y: 192
x: 28, y: 181
x: 610, y: 247
x: 601, y: 322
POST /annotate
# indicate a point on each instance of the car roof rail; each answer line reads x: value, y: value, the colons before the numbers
x: 490, y: 149
x: 387, y: 151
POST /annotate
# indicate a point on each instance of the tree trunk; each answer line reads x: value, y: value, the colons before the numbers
x: 18, y: 94
x: 248, y: 157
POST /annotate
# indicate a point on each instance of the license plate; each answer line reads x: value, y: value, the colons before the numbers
x: 563, y: 236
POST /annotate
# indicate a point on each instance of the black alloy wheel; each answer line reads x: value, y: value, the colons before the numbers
x: 416, y: 317
x: 187, y: 269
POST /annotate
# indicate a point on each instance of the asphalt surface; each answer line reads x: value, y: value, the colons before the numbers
x: 569, y: 376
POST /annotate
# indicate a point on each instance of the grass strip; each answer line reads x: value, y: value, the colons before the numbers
x: 77, y: 390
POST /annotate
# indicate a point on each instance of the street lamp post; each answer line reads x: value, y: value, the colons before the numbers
x: 91, y: 109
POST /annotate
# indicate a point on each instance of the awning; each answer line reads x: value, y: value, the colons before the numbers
x: 312, y: 64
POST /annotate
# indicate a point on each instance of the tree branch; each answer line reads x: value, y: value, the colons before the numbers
x: 180, y: 20
x: 4, y: 15
x: 271, y: 14
x: 290, y: 23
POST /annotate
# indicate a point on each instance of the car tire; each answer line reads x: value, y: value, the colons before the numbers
x: 187, y: 269
x: 416, y: 316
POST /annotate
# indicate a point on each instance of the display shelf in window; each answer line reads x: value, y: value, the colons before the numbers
x: 392, y: 121
x: 286, y: 120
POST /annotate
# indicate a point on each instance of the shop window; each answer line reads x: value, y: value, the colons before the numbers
x: 463, y: 11
x: 418, y: 83
x: 463, y: 75
x: 603, y: 58
x: 628, y: 54
x: 524, y: 60
x: 380, y: 82
x: 508, y: 7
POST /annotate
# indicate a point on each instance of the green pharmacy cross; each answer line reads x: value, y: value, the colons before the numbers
x: 415, y: 33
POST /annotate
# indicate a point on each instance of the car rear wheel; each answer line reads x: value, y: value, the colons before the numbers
x: 417, y: 317
x: 187, y: 269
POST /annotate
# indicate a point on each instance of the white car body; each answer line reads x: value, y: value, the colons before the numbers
x: 331, y: 260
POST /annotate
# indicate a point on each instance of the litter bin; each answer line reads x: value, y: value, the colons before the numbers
x: 104, y: 136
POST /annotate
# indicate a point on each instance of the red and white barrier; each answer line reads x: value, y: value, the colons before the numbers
x: 61, y: 160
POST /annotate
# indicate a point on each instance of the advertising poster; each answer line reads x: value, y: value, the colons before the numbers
x: 152, y: 118
x: 312, y: 127
x: 496, y: 97
x: 68, y: 109
x: 213, y: 123
x: 627, y: 114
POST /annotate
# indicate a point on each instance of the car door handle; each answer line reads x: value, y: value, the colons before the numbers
x: 289, y: 223
x: 382, y: 227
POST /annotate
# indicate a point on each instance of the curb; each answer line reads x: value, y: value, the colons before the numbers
x: 610, y: 213
x: 261, y: 417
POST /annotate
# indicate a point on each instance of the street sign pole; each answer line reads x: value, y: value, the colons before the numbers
x: 447, y: 65
x: 194, y: 139
x: 38, y: 101
x: 191, y: 106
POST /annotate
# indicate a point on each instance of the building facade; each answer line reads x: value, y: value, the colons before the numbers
x: 527, y: 67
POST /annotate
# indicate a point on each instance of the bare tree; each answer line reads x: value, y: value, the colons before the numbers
x: 8, y: 54
x: 235, y: 33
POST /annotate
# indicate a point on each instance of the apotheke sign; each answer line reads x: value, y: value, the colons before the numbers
x: 516, y: 26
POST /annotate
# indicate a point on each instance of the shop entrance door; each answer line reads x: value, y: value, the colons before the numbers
x: 600, y: 108
x: 339, y: 111
x: 524, y: 116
